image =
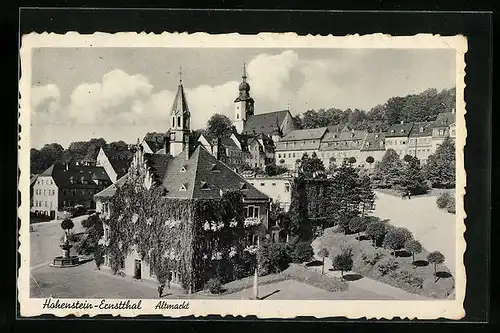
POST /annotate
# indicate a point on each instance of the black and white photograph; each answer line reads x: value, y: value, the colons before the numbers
x: 164, y: 175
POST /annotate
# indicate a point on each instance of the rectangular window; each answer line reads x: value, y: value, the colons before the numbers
x: 287, y: 188
x: 262, y: 184
x: 279, y: 155
x: 274, y: 184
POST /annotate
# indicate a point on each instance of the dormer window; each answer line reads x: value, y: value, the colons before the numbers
x: 183, y: 187
x: 367, y: 144
x: 243, y: 186
x: 376, y: 136
x: 214, y: 167
x: 204, y: 186
x: 402, y: 130
x: 421, y: 129
x: 392, y: 131
x: 183, y: 169
x: 353, y: 135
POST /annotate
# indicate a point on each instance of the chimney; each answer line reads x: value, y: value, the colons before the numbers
x: 215, y: 147
x: 185, y: 147
x: 402, y: 122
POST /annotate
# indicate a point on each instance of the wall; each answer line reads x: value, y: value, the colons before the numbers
x: 278, y: 189
x: 420, y: 147
x: 398, y: 143
x: 376, y: 154
x: 102, y: 160
x: 291, y: 156
x: 45, y: 195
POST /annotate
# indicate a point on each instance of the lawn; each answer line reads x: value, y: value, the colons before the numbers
x: 439, y: 287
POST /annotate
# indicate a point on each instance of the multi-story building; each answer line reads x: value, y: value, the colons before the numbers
x: 373, y: 146
x: 397, y: 137
x: 420, y: 141
x: 275, y: 187
x: 189, y: 176
x: 297, y: 143
x: 259, y: 151
x: 442, y: 127
x: 339, y: 146
x: 65, y: 185
x: 226, y: 149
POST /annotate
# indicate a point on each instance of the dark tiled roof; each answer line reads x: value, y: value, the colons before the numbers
x: 120, y: 165
x: 158, y: 164
x: 33, y: 180
x: 444, y: 119
x: 373, y: 141
x: 335, y: 128
x: 344, y: 136
x: 111, y: 190
x: 225, y: 141
x: 422, y: 129
x: 306, y: 134
x: 265, y: 123
x: 398, y: 130
x: 202, y: 176
x: 83, y: 176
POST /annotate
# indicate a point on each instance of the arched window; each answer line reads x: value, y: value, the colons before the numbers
x: 179, y: 121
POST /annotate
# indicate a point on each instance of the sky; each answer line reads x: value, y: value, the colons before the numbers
x: 122, y: 93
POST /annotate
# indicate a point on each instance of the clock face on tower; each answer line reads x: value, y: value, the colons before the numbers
x: 172, y: 136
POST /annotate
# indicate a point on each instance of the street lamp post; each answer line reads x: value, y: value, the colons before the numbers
x: 255, y: 293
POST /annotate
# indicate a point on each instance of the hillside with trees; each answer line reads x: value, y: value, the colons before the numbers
x: 411, y: 108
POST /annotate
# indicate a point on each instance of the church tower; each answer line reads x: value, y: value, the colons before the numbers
x: 243, y: 104
x: 180, y: 121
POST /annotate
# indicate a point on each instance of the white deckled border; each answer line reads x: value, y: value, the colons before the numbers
x: 450, y: 309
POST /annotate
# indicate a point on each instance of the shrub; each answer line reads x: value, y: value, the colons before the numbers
x: 387, y: 265
x: 214, y: 285
x: 376, y: 231
x: 302, y: 252
x: 67, y: 224
x: 404, y: 277
x: 371, y: 256
x: 343, y: 261
x: 244, y: 265
x: 414, y: 247
x: 312, y: 278
x: 99, y: 256
x: 443, y: 199
x: 273, y: 257
x: 405, y: 233
x: 450, y: 207
x: 394, y: 241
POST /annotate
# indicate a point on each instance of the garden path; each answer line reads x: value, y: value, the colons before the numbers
x: 364, y: 283
x: 434, y: 228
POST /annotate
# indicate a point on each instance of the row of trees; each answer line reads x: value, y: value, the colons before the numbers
x: 411, y: 108
x: 80, y: 150
x: 408, y: 176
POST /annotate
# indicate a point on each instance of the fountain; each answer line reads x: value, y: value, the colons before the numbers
x: 66, y: 260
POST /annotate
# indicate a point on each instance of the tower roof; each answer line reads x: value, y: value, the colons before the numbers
x: 180, y: 106
x: 244, y: 86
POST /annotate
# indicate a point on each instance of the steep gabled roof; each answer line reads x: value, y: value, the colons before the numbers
x: 111, y: 189
x: 33, y: 179
x: 399, y: 130
x: 444, y: 119
x: 82, y: 176
x: 422, y: 129
x: 306, y: 134
x: 265, y: 123
x: 373, y: 142
x: 203, y: 178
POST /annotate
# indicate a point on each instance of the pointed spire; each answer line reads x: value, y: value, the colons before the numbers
x: 180, y: 106
x: 180, y: 74
x: 244, y: 71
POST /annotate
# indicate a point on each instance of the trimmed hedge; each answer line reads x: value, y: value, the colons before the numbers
x: 312, y: 278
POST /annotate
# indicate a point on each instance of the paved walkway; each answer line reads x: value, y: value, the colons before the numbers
x: 45, y: 240
x: 433, y: 227
x: 365, y: 283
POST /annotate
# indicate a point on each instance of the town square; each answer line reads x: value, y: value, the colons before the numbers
x: 246, y: 174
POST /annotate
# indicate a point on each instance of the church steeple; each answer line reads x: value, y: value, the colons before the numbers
x: 244, y: 104
x: 181, y: 119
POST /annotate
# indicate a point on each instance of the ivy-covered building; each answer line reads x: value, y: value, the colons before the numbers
x: 179, y: 213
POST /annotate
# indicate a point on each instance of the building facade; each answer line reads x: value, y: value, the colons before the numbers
x: 65, y: 185
x: 297, y: 143
x: 186, y: 175
x: 277, y: 187
x: 397, y: 138
x: 420, y: 141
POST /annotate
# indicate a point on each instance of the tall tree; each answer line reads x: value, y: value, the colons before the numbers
x: 346, y: 194
x: 440, y: 167
x: 387, y: 172
x: 300, y: 224
x: 309, y: 166
x: 219, y: 126
x: 393, y: 110
x: 413, y: 179
x: 366, y: 194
